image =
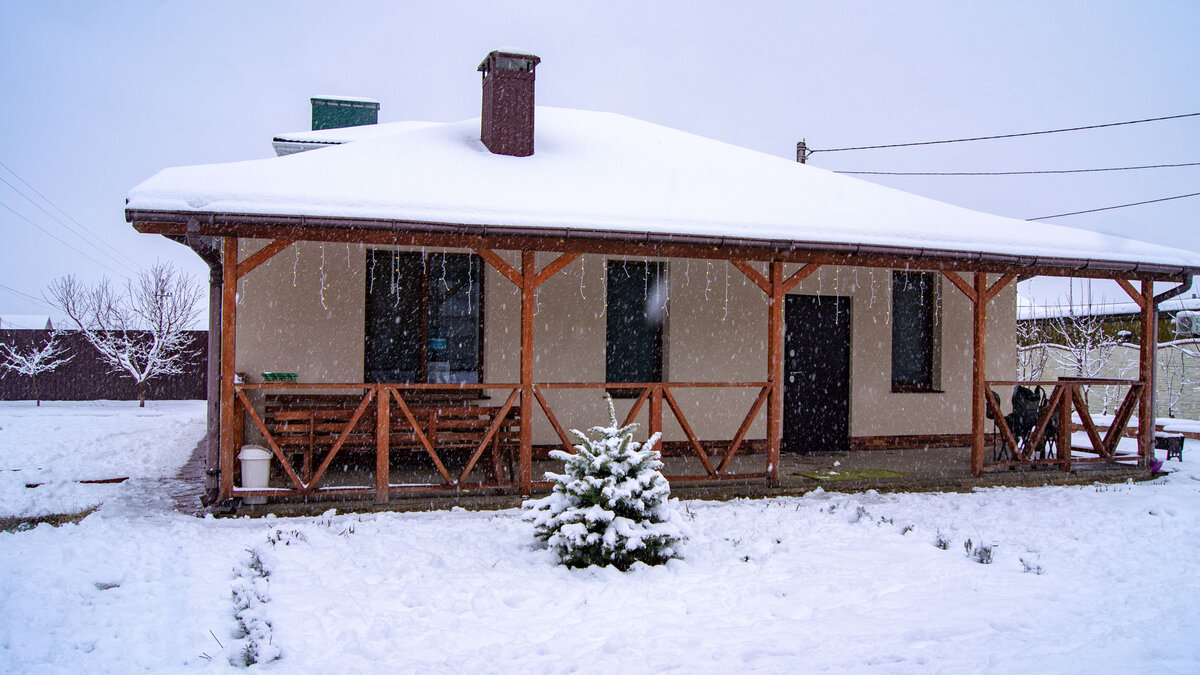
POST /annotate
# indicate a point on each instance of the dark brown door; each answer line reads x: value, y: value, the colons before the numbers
x: 816, y: 374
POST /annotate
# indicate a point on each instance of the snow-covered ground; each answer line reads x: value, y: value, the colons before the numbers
x: 1097, y: 578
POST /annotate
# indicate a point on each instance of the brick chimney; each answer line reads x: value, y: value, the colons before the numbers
x: 507, y: 125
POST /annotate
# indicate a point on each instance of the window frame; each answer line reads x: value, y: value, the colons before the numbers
x: 424, y: 302
x: 930, y: 324
x: 654, y: 274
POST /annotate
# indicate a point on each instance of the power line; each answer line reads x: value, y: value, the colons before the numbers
x: 28, y: 297
x: 1118, y: 206
x: 61, y: 241
x: 60, y: 221
x: 1012, y: 173
x: 1026, y: 133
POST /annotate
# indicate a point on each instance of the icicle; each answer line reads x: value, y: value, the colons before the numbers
x: 872, y: 275
x: 424, y: 264
x: 820, y: 284
x: 604, y: 284
x: 323, y: 305
x: 295, y: 263
x: 707, y: 281
x: 470, y: 281
x: 371, y: 272
x: 937, y: 293
x: 666, y: 270
x: 687, y: 268
x: 645, y: 279
x: 726, y: 316
x: 347, y: 256
x: 855, y: 280
x: 887, y: 317
x: 582, y: 272
x: 445, y: 284
x: 836, y: 299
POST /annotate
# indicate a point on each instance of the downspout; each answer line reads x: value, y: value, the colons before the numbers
x: 1174, y: 292
x: 205, y: 247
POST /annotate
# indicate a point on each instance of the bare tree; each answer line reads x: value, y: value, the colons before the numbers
x: 1087, y: 345
x: 139, y: 332
x: 1031, y: 351
x: 34, y: 361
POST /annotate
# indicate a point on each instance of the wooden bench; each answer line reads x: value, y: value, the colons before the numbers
x: 310, y: 424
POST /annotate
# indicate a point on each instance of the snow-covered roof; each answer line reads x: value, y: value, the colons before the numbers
x: 596, y: 171
x: 25, y: 322
x: 1102, y: 308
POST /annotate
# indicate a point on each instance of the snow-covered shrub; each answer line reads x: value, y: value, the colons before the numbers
x: 611, y: 506
x: 250, y: 598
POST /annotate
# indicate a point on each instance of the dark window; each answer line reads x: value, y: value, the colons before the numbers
x: 423, y: 317
x: 914, y: 342
x: 636, y: 299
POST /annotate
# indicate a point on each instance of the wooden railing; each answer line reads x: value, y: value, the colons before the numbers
x: 307, y: 427
x: 1034, y: 449
x: 325, y: 421
x: 713, y: 457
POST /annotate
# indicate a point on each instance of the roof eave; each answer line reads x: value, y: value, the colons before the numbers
x: 229, y: 224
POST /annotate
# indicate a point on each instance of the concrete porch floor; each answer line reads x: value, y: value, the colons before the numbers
x: 915, y: 470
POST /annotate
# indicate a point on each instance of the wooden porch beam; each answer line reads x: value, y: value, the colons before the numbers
x: 229, y: 265
x: 800, y: 275
x: 995, y: 288
x: 1132, y: 292
x: 262, y: 255
x: 960, y: 284
x: 508, y: 271
x: 554, y: 268
x: 753, y: 275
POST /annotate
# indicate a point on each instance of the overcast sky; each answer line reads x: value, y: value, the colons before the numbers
x: 99, y: 96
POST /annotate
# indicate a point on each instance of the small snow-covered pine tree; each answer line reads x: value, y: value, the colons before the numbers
x: 612, y: 505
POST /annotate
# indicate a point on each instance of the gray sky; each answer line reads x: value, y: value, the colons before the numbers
x: 100, y: 96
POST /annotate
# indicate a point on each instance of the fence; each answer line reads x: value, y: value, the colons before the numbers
x: 86, y: 378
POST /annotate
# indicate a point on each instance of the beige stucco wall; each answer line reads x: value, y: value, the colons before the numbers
x: 284, y: 327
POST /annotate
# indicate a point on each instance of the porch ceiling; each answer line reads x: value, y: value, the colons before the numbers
x: 610, y: 183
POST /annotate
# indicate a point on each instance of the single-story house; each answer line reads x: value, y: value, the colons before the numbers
x: 458, y: 295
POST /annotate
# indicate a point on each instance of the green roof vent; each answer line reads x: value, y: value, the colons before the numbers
x: 336, y: 112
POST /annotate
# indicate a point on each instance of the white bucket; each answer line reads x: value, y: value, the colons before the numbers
x: 256, y: 470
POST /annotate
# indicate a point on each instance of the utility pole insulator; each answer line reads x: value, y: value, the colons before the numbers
x: 802, y: 152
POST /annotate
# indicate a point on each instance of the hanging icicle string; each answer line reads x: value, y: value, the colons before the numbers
x: 445, y: 284
x: 707, y: 280
x: 323, y: 305
x: 470, y: 281
x: 937, y: 294
x: 395, y: 282
x: 348, y: 256
x: 836, y: 298
x: 582, y: 272
x: 687, y: 268
x: 295, y: 263
x: 604, y: 284
x: 820, y: 284
x: 665, y: 286
x: 887, y: 317
x: 726, y: 316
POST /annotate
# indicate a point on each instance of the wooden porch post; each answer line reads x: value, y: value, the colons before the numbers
x: 383, y: 439
x: 978, y: 373
x: 528, y: 287
x: 229, y: 435
x: 1146, y: 368
x: 775, y: 371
